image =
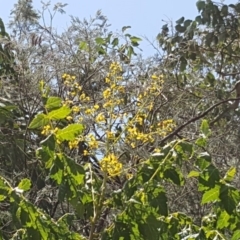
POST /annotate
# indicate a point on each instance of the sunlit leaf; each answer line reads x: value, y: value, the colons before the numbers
x: 211, y: 195
x: 25, y: 184
x: 70, y: 132
x: 60, y: 113
x: 53, y: 102
x: 39, y: 121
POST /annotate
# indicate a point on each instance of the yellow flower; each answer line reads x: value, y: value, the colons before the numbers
x: 96, y: 106
x: 110, y: 135
x: 154, y: 77
x: 73, y: 144
x: 100, y: 118
x: 111, y: 165
x: 107, y: 93
x: 76, y: 109
x: 69, y: 118
x: 46, y: 130
x: 107, y: 80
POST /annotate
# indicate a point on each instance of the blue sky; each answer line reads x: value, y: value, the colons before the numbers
x: 144, y: 16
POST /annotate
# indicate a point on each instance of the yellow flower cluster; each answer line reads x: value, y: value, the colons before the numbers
x: 115, y: 68
x: 47, y: 130
x: 165, y: 127
x: 68, y: 78
x: 73, y: 144
x: 111, y: 165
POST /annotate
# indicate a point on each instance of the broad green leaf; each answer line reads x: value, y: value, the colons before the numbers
x: 222, y: 220
x: 56, y: 171
x: 180, y: 28
x: 83, y: 45
x: 70, y: 132
x: 60, y: 113
x: 203, y: 160
x: 174, y: 175
x: 201, y: 142
x: 211, y: 195
x: 226, y: 200
x: 25, y: 184
x: 193, y: 174
x: 125, y: 28
x: 224, y: 10
x: 135, y: 39
x: 115, y: 42
x: 53, y: 102
x: 2, y: 197
x: 101, y: 50
x: 40, y: 120
x: 180, y: 20
x: 236, y: 235
x: 187, y: 23
x: 205, y: 128
x: 99, y: 40
x: 230, y: 174
x: 75, y: 170
x: 200, y: 5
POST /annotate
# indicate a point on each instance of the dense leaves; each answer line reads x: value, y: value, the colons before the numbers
x: 98, y: 143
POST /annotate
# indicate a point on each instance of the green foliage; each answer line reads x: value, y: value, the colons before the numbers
x: 111, y: 146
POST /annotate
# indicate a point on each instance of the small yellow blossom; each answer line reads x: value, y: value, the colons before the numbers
x: 85, y: 153
x: 110, y: 135
x: 111, y: 165
x: 69, y: 118
x: 73, y: 144
x: 100, y: 118
x: 76, y: 109
x: 96, y: 106
x: 154, y: 77
x: 46, y: 130
x: 107, y: 93
x: 107, y: 80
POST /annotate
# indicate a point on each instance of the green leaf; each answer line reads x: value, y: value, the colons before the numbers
x: 226, y: 200
x: 70, y: 132
x: 75, y: 170
x: 180, y: 20
x: 230, y: 174
x: 100, y: 40
x: 174, y: 175
x: 60, y: 113
x: 201, y: 142
x: 135, y: 39
x: 40, y: 120
x: 222, y: 220
x: 180, y: 28
x: 83, y: 45
x: 200, y: 5
x: 187, y: 23
x: 101, y: 50
x: 115, y: 42
x: 53, y: 103
x: 25, y: 184
x: 205, y: 128
x: 125, y: 28
x: 236, y: 235
x: 211, y: 195
x: 56, y: 171
x: 224, y: 10
x: 203, y: 160
x: 193, y: 174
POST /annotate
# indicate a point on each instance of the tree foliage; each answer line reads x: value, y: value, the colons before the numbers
x: 98, y: 143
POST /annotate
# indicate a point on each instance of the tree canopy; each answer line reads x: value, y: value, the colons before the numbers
x: 97, y: 142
